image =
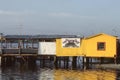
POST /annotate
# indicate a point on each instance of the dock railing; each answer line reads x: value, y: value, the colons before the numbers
x: 19, y: 51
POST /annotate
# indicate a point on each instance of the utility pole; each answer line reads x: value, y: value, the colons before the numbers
x: 1, y: 37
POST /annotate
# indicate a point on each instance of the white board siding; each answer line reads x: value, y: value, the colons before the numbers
x: 47, y: 48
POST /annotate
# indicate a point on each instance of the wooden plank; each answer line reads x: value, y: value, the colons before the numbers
x: 19, y: 55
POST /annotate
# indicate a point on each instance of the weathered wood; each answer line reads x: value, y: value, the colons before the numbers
x: 74, y: 62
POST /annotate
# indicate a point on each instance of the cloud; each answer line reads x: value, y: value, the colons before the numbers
x: 63, y: 14
x: 3, y: 12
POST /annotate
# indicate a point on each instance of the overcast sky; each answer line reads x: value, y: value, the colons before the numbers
x: 81, y: 17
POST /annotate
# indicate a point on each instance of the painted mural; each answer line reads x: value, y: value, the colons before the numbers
x: 70, y: 42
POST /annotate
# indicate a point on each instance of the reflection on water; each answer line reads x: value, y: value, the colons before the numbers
x: 84, y: 75
x: 34, y: 72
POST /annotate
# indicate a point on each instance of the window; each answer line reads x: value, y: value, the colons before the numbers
x: 101, y: 46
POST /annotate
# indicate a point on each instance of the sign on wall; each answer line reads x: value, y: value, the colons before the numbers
x: 47, y: 48
x: 70, y: 42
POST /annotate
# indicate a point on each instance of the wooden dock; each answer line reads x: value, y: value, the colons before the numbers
x: 24, y: 49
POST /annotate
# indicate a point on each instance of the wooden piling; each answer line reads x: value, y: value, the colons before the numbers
x: 91, y: 61
x: 87, y: 62
x: 59, y: 62
x: 0, y: 60
x: 3, y: 61
x: 115, y: 60
x: 41, y: 63
x: 56, y: 62
x: 84, y: 62
x: 74, y: 62
x: 101, y: 60
x: 64, y: 62
x: 67, y: 62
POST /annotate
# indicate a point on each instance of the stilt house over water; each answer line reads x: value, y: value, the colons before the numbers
x: 99, y: 45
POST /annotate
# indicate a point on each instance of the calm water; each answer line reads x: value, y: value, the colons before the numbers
x: 34, y: 72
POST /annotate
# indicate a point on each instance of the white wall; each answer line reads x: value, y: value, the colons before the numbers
x: 47, y: 48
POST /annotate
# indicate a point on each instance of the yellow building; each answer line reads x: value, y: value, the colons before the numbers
x: 69, y: 47
x: 100, y: 45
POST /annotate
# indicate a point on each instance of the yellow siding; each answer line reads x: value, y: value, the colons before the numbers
x: 90, y: 46
x: 60, y: 51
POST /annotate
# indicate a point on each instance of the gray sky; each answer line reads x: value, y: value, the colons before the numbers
x: 81, y: 17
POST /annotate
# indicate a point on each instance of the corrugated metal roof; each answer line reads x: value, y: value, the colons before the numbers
x: 98, y: 35
x: 39, y: 36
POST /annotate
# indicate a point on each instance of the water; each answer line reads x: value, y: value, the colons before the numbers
x: 34, y: 72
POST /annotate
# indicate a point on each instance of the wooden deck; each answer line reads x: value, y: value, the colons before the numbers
x: 19, y: 51
x: 18, y: 55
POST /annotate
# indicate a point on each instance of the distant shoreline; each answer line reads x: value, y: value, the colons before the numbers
x: 108, y: 66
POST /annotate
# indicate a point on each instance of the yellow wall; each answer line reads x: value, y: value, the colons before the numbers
x: 90, y: 46
x: 60, y: 51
